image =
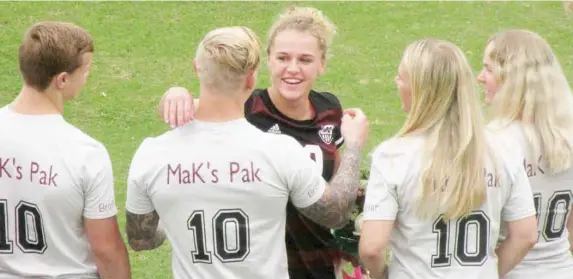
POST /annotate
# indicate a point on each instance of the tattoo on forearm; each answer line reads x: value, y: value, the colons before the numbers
x: 142, y: 233
x: 333, y: 209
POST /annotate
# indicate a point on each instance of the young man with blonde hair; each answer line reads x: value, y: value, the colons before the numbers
x: 57, y: 206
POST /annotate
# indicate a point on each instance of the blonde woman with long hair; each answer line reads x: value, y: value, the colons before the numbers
x: 440, y: 189
x: 532, y: 106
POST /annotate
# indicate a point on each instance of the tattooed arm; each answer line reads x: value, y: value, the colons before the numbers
x: 337, y: 161
x: 327, y: 205
x: 142, y: 231
x: 332, y: 210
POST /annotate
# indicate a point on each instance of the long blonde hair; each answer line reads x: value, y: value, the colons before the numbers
x: 445, y: 107
x: 226, y: 55
x: 534, y: 91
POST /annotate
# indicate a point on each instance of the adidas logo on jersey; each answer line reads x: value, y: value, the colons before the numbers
x: 274, y: 129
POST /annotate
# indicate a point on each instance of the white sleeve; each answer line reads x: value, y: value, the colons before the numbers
x: 519, y: 203
x: 302, y: 176
x: 381, y: 201
x: 98, y: 185
x: 138, y: 200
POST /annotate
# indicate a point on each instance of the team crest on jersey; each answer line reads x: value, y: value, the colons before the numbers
x: 325, y: 133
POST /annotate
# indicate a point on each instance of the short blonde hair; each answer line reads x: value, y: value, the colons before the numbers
x: 445, y: 108
x: 304, y: 19
x: 533, y: 90
x: 226, y: 55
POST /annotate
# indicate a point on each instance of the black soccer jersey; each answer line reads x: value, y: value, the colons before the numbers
x: 308, y: 253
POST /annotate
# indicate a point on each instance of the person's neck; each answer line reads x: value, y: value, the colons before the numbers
x: 300, y: 109
x: 219, y: 107
x: 32, y: 101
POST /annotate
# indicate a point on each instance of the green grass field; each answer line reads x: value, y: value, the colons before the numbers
x: 142, y: 48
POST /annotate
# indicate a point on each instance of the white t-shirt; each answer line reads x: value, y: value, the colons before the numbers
x: 553, y: 197
x: 221, y: 191
x: 428, y: 249
x: 52, y: 176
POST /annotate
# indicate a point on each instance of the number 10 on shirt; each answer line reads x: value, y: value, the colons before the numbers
x: 221, y: 221
x: 480, y: 223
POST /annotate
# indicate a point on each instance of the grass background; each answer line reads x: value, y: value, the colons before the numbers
x: 142, y: 48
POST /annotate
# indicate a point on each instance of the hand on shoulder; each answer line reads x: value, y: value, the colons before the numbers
x: 177, y: 106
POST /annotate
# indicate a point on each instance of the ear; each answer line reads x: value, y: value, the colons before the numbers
x: 60, y: 80
x: 251, y: 81
x: 195, y: 66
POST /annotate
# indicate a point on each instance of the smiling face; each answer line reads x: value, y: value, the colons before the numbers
x: 295, y: 62
x: 487, y: 77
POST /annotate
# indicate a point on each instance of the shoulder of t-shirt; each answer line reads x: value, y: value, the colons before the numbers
x: 148, y: 156
x: 324, y: 100
x: 400, y: 146
x: 505, y: 147
x: 284, y: 151
x: 507, y: 133
x: 394, y: 157
x: 81, y: 143
x: 276, y: 142
x: 507, y: 138
x: 84, y: 152
x: 4, y: 112
x: 280, y: 148
x: 152, y: 145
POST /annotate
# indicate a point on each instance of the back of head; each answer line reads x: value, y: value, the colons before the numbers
x: 50, y: 48
x: 534, y: 90
x: 226, y: 56
x: 445, y: 108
